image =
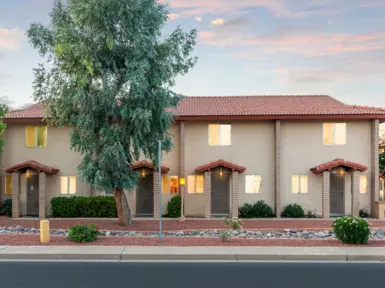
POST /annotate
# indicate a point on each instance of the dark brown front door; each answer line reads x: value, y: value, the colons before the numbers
x: 220, y: 194
x: 337, y: 189
x: 145, y: 196
x: 33, y: 195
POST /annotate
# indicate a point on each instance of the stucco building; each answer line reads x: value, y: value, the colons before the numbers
x: 310, y: 150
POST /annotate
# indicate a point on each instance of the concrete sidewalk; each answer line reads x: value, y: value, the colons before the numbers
x: 138, y: 253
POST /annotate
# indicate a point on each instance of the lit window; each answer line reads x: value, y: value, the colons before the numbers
x: 36, y: 136
x: 170, y: 184
x: 363, y: 184
x: 334, y: 133
x: 253, y: 184
x: 8, y: 185
x: 195, y: 184
x: 68, y: 185
x: 299, y: 184
x: 219, y: 135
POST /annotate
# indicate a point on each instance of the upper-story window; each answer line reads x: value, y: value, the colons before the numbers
x: 334, y: 133
x: 219, y: 134
x: 36, y: 136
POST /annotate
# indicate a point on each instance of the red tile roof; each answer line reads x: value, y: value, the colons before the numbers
x: 338, y: 163
x: 220, y: 163
x: 31, y: 165
x: 264, y: 106
x: 149, y: 165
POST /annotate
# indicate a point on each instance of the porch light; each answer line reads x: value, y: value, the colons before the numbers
x: 143, y: 173
x: 182, y: 181
x: 220, y: 173
x: 28, y: 174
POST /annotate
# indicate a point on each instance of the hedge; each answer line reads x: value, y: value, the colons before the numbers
x: 85, y: 207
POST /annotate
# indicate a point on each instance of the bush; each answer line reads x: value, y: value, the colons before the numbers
x: 173, y: 207
x: 86, y: 207
x: 258, y: 210
x: 364, y: 213
x: 82, y: 233
x: 6, y: 208
x: 293, y: 211
x: 311, y: 214
x: 352, y: 230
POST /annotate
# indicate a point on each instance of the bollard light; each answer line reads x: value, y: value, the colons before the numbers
x: 44, y: 231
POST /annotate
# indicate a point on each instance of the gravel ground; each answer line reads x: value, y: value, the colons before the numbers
x: 32, y: 240
x: 175, y: 225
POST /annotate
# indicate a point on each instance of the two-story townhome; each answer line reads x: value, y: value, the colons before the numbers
x: 310, y: 150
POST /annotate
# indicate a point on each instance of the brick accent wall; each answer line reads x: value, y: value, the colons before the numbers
x: 182, y: 163
x: 42, y: 194
x: 156, y: 194
x: 15, y: 195
x: 234, y: 194
x: 326, y: 194
x: 277, y: 167
x: 375, y: 173
x: 356, y: 193
x: 207, y: 194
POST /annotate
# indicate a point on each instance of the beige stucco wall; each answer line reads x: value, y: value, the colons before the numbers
x: 252, y: 146
x: 303, y: 148
x: 57, y: 154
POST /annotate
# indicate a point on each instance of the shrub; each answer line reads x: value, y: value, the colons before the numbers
x: 364, y: 213
x: 225, y: 235
x: 352, y: 230
x: 173, y: 207
x: 311, y: 214
x: 6, y: 208
x: 82, y: 233
x: 86, y: 207
x: 258, y: 210
x: 293, y: 211
x: 234, y: 223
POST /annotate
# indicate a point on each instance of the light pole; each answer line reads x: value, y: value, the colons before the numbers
x: 160, y: 189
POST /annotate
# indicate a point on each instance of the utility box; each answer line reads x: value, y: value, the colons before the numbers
x: 380, y: 209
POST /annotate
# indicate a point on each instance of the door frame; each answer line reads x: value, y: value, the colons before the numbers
x: 342, y: 178
x: 214, y: 173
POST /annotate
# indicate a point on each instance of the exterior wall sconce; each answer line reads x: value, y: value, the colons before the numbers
x: 182, y: 181
x: 143, y: 173
x: 220, y: 172
x: 28, y: 174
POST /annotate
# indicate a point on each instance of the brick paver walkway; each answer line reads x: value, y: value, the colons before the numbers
x: 175, y: 225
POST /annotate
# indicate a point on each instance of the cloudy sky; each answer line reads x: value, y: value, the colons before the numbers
x: 245, y: 47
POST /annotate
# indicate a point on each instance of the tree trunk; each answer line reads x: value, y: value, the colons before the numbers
x: 124, y: 212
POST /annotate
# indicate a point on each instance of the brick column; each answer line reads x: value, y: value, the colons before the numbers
x: 234, y: 194
x: 277, y: 167
x: 375, y: 173
x: 182, y: 165
x: 156, y: 194
x: 42, y: 194
x: 356, y: 193
x: 326, y: 194
x: 15, y: 195
x: 207, y: 194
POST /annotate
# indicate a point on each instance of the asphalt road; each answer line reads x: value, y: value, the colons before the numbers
x: 193, y: 274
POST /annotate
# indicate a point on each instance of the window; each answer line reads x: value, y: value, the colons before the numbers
x: 299, y: 184
x: 8, y: 185
x: 170, y: 184
x: 195, y: 184
x: 334, y: 133
x: 36, y: 136
x: 253, y: 184
x: 363, y: 184
x: 219, y: 135
x: 68, y: 185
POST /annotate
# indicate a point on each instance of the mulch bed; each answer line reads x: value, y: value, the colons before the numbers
x: 33, y: 240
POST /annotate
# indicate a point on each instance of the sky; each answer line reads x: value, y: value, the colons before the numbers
x: 244, y: 47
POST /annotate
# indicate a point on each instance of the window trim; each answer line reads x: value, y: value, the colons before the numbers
x: 68, y: 185
x: 195, y: 190
x: 299, y: 182
x: 219, y: 134
x: 260, y: 184
x: 334, y: 133
x: 36, y: 136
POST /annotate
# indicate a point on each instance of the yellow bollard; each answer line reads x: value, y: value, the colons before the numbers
x: 44, y: 231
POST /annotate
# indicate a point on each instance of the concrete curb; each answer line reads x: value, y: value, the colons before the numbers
x: 233, y: 254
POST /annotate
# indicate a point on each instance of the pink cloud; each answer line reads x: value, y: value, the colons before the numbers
x: 10, y: 38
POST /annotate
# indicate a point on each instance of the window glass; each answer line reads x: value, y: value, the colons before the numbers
x: 30, y: 136
x: 165, y: 185
x: 64, y: 184
x: 8, y: 185
x: 257, y: 184
x: 295, y: 184
x: 200, y: 182
x: 195, y: 184
x: 304, y: 183
x: 328, y: 133
x: 225, y: 135
x: 41, y: 136
x: 191, y: 184
x: 249, y: 184
x: 72, y: 180
x: 363, y: 184
x: 213, y: 134
x: 340, y: 133
x: 174, y: 184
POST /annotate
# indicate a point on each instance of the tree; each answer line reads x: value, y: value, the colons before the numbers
x: 110, y: 77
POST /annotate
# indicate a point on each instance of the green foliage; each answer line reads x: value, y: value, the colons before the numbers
x: 233, y: 223
x: 364, y: 213
x: 352, y: 230
x: 382, y: 163
x: 225, y: 235
x: 3, y: 126
x: 173, y: 207
x: 109, y: 76
x: 311, y: 214
x: 85, y: 207
x: 257, y: 210
x: 82, y: 233
x: 6, y: 208
x: 293, y: 211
